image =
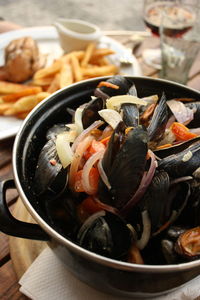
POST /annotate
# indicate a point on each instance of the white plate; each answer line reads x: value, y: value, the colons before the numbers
x: 47, y: 40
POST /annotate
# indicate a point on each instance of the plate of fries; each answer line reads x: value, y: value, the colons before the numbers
x: 60, y: 70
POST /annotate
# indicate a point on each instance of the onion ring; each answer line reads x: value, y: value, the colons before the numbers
x: 86, y: 171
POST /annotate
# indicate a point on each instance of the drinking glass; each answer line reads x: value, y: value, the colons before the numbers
x: 175, y: 9
x: 180, y: 43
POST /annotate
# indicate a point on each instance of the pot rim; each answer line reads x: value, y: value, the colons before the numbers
x: 64, y: 241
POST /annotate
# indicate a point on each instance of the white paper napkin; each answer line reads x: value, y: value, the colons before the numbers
x: 48, y: 279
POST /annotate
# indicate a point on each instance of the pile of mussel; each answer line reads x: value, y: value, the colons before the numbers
x: 122, y: 179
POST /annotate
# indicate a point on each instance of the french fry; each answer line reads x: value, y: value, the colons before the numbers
x: 79, y: 55
x: 43, y: 81
x: 4, y: 107
x: 87, y: 55
x: 55, y: 84
x: 66, y: 75
x: 26, y: 103
x: 20, y: 99
x: 103, y: 62
x: 41, y: 96
x: 76, y: 68
x: 9, y: 87
x: 22, y: 115
x: 99, y: 71
x: 48, y: 71
x: 26, y: 92
x: 101, y: 52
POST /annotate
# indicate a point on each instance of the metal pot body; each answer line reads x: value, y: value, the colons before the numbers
x: 107, y: 275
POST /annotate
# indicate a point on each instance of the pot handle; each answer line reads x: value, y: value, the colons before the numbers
x: 12, y: 226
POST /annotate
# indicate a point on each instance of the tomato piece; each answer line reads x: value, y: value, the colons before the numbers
x: 108, y: 84
x: 181, y: 132
x: 93, y: 179
x: 105, y: 141
x: 95, y: 147
x: 88, y: 207
x: 163, y: 146
x: 78, y: 187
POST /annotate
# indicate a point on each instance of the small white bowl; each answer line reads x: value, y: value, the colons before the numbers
x: 76, y: 34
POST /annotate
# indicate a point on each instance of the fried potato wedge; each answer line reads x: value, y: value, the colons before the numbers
x: 9, y: 87
x: 26, y: 92
x: 99, y: 71
x: 26, y: 103
x: 48, y: 71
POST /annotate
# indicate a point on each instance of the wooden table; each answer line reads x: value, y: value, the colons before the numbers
x: 9, y: 287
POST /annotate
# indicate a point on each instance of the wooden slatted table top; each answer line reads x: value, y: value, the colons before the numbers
x: 18, y: 254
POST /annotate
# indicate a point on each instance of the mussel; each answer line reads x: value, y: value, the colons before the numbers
x: 183, y: 163
x: 188, y: 244
x: 130, y: 114
x: 159, y: 120
x: 121, y: 82
x: 124, y: 163
x: 146, y: 200
x: 90, y: 111
x: 106, y: 234
x: 195, y: 106
x: 50, y: 176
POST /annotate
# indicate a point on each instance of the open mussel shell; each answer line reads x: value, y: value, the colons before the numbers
x: 183, y: 163
x: 55, y: 130
x: 159, y: 120
x: 168, y: 244
x: 155, y: 199
x: 195, y: 106
x: 50, y: 177
x: 106, y: 234
x: 188, y: 244
x: 106, y: 92
x: 168, y: 251
x: 124, y: 163
x: 90, y: 112
x: 130, y: 114
x: 176, y: 148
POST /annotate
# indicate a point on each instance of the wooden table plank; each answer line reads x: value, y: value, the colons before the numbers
x: 195, y: 82
x: 4, y: 249
x: 9, y: 288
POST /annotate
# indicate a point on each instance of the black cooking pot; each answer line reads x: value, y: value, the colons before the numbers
x: 116, y: 277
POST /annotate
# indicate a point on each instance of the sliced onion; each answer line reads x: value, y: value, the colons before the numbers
x: 116, y: 101
x: 153, y: 99
x: 98, y: 93
x: 182, y: 113
x: 171, y: 120
x: 146, y: 180
x: 63, y: 149
x: 181, y: 179
x: 86, y: 171
x: 168, y: 138
x: 195, y: 130
x: 111, y: 116
x: 85, y: 133
x: 146, y: 231
x: 103, y: 174
x: 106, y: 132
x: 81, y: 148
x: 78, y: 119
x: 106, y: 206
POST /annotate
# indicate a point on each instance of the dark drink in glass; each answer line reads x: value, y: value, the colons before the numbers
x: 183, y: 15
